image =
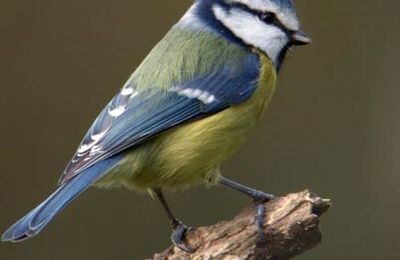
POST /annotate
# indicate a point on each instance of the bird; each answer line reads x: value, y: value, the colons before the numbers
x: 185, y: 110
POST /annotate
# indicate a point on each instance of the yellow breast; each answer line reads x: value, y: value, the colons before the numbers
x: 190, y: 153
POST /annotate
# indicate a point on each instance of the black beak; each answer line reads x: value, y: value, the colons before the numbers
x: 299, y: 38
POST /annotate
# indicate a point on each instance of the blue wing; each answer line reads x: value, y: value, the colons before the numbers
x: 134, y: 116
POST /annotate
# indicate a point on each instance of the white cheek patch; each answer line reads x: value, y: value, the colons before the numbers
x: 253, y: 31
x: 286, y: 16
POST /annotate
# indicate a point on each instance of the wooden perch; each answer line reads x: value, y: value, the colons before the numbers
x: 291, y: 224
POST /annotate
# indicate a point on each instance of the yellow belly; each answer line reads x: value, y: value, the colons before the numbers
x: 192, y: 153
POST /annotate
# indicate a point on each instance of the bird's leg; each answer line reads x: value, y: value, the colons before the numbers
x: 178, y: 228
x: 259, y: 199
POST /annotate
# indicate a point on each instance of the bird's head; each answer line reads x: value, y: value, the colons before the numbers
x: 271, y: 26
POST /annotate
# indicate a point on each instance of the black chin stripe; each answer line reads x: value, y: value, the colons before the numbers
x: 281, y: 56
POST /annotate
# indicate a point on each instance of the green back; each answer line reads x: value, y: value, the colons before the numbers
x: 183, y: 54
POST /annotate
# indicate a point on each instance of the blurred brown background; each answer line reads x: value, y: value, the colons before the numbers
x: 333, y: 126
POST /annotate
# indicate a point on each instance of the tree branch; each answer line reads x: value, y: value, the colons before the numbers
x: 292, y: 227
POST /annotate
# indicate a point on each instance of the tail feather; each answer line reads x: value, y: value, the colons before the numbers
x: 38, y: 218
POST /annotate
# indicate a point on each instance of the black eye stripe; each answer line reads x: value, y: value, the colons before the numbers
x: 270, y: 17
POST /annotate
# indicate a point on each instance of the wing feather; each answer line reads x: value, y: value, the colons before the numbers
x: 134, y: 116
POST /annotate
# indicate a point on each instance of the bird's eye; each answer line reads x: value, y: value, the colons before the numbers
x: 267, y: 17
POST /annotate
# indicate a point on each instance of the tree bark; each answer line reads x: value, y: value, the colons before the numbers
x: 291, y: 225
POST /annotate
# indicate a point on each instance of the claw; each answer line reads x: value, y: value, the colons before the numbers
x: 178, y: 236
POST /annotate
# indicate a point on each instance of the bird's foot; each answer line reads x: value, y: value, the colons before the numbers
x: 178, y: 237
x: 259, y: 199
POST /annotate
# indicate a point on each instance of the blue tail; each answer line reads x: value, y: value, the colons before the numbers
x: 38, y: 218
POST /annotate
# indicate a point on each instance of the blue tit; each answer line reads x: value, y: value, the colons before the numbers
x: 185, y: 110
